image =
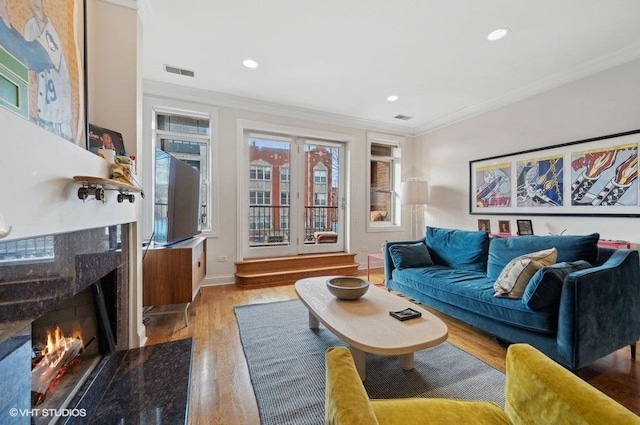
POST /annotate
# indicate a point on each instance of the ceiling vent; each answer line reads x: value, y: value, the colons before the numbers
x: 403, y: 117
x: 179, y: 71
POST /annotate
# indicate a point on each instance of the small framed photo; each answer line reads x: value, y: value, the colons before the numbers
x: 484, y: 225
x: 504, y: 227
x: 103, y: 138
x: 524, y: 227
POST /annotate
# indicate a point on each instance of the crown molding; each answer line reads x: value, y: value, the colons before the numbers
x: 582, y: 70
x: 174, y: 91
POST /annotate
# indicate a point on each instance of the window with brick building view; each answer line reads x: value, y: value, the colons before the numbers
x: 384, y: 171
x: 294, y: 191
x: 188, y: 139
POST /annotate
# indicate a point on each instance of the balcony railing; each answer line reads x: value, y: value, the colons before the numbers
x: 269, y: 224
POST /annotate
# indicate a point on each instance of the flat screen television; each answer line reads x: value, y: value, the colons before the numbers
x: 177, y: 200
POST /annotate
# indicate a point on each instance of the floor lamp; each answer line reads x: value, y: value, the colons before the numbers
x: 414, y: 192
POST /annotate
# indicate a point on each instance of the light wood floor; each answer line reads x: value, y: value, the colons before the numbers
x: 221, y: 392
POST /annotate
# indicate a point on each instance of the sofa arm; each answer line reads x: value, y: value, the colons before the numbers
x: 388, y: 263
x: 346, y: 401
x: 538, y: 390
x: 599, y: 309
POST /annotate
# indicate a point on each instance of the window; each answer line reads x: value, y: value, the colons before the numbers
x: 183, y: 124
x: 320, y: 176
x: 284, y: 198
x: 319, y: 199
x: 260, y: 172
x: 284, y: 220
x: 260, y: 222
x: 259, y: 198
x: 384, y: 181
x: 188, y: 139
x: 28, y: 250
x: 285, y: 176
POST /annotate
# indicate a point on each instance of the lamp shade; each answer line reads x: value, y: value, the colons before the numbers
x: 414, y: 192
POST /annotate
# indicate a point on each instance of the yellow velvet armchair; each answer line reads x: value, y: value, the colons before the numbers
x: 537, y: 391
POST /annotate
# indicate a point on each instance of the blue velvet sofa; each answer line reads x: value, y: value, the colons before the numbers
x: 583, y: 307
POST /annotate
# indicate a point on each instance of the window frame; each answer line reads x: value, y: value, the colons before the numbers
x: 395, y: 160
x: 184, y: 137
x: 154, y: 106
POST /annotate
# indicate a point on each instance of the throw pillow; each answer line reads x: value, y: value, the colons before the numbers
x: 458, y: 249
x: 569, y: 247
x: 545, y: 287
x: 514, y: 277
x: 405, y: 256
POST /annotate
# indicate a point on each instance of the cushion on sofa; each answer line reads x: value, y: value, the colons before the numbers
x: 570, y: 248
x: 410, y: 255
x: 471, y: 291
x: 545, y: 287
x: 516, y: 274
x: 458, y: 249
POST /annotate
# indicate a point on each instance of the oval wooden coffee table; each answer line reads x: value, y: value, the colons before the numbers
x: 365, y: 324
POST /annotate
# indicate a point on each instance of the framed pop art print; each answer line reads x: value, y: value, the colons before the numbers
x: 593, y: 177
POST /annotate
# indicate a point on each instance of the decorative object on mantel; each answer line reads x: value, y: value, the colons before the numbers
x: 103, y: 141
x: 50, y: 44
x: 415, y: 192
x: 603, y: 172
x: 96, y: 187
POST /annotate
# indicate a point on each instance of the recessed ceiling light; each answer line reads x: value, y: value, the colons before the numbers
x: 498, y: 34
x: 392, y: 98
x: 250, y: 63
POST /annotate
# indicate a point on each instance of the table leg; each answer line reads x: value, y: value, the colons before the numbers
x: 313, y: 321
x: 359, y: 358
x: 406, y: 360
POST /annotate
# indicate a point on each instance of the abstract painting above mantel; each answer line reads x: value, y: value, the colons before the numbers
x: 42, y: 64
x: 597, y: 176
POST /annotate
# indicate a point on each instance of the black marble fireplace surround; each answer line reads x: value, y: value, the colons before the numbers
x: 157, y: 377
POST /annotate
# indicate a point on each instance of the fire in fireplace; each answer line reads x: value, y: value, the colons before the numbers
x: 69, y: 342
x: 60, y: 354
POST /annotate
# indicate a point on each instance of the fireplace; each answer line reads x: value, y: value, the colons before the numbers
x: 79, y: 281
x: 76, y: 282
x: 69, y: 342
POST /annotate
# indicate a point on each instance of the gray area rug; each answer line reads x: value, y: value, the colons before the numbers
x: 286, y: 365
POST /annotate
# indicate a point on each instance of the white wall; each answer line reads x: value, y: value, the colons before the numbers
x: 37, y: 194
x: 602, y: 104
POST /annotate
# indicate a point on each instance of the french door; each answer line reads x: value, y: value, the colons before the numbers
x: 294, y: 197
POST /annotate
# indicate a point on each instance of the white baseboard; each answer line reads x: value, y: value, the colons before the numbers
x: 219, y: 280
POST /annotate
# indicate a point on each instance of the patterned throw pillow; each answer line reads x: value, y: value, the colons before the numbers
x: 513, y: 279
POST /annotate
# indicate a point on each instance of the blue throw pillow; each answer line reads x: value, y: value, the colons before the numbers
x: 406, y: 256
x: 459, y: 249
x: 545, y: 287
x: 570, y: 248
